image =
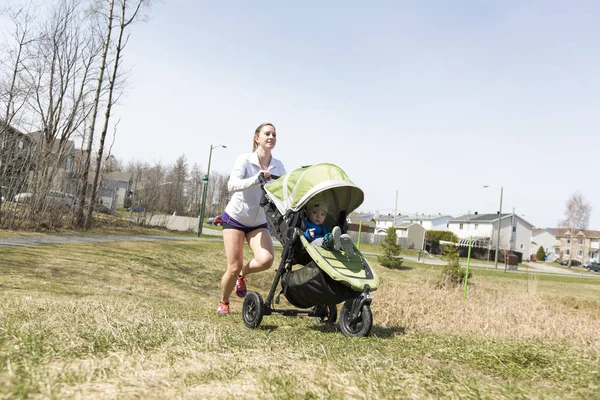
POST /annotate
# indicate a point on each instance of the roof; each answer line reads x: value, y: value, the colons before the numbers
x: 428, y: 217
x: 561, y: 232
x: 478, y: 217
x: 489, y: 218
x: 120, y: 176
x: 406, y: 225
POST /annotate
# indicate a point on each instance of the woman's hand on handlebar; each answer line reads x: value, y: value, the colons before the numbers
x: 265, y: 173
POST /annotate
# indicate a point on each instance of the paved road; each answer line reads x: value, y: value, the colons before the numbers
x: 47, y: 239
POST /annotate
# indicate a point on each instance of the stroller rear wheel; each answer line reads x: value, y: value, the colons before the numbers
x: 359, y: 327
x: 252, y: 310
x: 325, y: 314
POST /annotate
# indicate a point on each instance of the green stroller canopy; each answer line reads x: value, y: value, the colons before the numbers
x: 329, y: 182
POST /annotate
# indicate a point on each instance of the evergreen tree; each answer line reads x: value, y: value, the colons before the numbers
x: 541, y: 254
x: 391, y: 250
x: 452, y: 273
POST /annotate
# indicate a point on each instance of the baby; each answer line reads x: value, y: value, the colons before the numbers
x: 316, y: 233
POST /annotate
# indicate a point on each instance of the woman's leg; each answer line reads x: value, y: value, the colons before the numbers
x: 262, y: 246
x: 234, y: 250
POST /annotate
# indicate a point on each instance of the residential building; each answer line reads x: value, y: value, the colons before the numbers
x: 544, y: 238
x: 515, y: 232
x: 577, y: 244
x: 436, y: 222
x: 115, y: 187
x: 411, y: 235
x: 59, y: 157
x: 16, y: 150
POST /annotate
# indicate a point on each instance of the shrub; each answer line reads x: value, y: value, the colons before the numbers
x: 452, y: 273
x: 391, y: 250
x: 433, y: 239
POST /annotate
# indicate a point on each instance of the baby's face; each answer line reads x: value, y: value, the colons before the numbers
x: 317, y: 217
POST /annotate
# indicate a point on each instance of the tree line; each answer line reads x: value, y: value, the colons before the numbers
x: 175, y: 189
x: 61, y: 73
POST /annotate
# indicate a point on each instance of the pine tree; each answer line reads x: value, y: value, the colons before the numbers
x: 391, y: 250
x: 541, y: 254
x: 452, y: 273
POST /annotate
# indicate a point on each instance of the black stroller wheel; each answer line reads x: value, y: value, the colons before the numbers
x: 359, y: 327
x: 252, y: 310
x: 328, y: 314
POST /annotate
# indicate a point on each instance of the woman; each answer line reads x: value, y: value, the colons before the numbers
x: 244, y: 218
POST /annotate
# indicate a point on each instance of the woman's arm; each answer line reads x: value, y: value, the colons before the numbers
x: 238, y: 180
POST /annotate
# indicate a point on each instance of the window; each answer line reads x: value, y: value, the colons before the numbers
x: 521, y: 247
x: 567, y: 252
x: 20, y: 145
x: 580, y: 241
x: 568, y: 241
x: 68, y: 164
x: 514, y: 228
x: 476, y: 226
x: 580, y: 253
x: 460, y: 226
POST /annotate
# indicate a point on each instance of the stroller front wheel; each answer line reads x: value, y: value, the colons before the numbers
x: 359, y: 327
x: 252, y: 310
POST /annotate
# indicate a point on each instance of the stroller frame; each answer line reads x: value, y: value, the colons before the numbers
x: 355, y: 317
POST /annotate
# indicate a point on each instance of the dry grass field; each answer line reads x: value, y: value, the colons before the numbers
x: 135, y: 320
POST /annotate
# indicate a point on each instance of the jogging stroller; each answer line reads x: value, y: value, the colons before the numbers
x: 314, y: 279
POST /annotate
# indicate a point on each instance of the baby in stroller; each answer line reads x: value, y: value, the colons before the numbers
x: 317, y: 234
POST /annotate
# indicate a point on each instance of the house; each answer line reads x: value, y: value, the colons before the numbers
x: 515, y: 232
x: 59, y: 157
x: 383, y: 222
x: 115, y: 188
x: 430, y: 222
x: 544, y: 238
x: 16, y: 149
x: 576, y: 244
x: 411, y: 235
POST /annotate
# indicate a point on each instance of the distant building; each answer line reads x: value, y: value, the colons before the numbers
x: 115, y: 188
x: 434, y: 222
x: 515, y: 232
x: 578, y: 244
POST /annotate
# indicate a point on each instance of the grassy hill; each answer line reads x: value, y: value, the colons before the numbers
x: 138, y: 320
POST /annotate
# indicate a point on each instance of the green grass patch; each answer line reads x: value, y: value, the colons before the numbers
x: 138, y: 320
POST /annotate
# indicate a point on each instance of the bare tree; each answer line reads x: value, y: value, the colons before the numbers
x: 49, y: 83
x: 195, y: 190
x: 15, y: 161
x: 127, y: 16
x: 577, y: 217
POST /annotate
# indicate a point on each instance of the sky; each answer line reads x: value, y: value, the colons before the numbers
x: 424, y: 102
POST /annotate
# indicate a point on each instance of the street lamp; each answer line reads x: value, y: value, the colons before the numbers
x: 205, y: 183
x: 499, y: 225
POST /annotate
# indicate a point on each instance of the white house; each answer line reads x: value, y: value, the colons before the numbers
x: 437, y: 222
x: 515, y: 232
x: 544, y: 238
x: 383, y: 222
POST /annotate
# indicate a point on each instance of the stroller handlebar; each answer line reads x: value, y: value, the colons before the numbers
x: 262, y: 181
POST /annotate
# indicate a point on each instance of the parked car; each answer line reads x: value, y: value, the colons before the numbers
x: 586, y: 264
x: 574, y: 263
x: 137, y: 209
x: 210, y: 220
x: 594, y: 267
x: 101, y: 208
x: 22, y: 197
x: 217, y: 220
x: 55, y: 197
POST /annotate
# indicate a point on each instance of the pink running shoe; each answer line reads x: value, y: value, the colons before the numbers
x: 240, y: 287
x: 223, y: 308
